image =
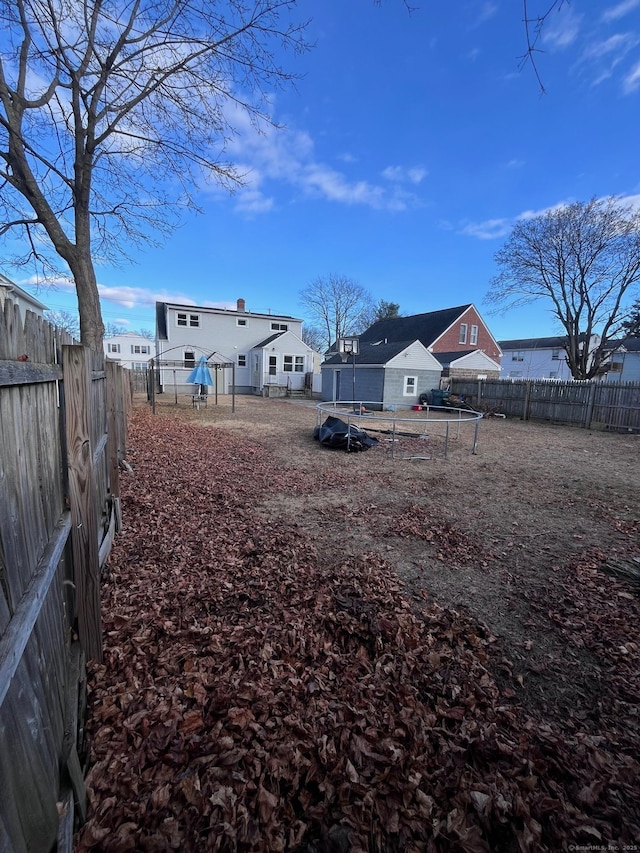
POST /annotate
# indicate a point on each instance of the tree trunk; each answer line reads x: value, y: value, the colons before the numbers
x: 84, y: 275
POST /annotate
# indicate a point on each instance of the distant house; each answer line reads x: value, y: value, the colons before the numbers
x: 261, y: 353
x: 130, y: 350
x: 623, y: 364
x: 539, y: 358
x: 25, y: 301
x: 381, y: 373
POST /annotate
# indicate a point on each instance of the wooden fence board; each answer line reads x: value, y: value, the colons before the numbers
x: 76, y: 365
x: 594, y: 405
x: 56, y: 522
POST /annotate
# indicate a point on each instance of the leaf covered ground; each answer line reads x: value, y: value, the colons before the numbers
x: 288, y: 666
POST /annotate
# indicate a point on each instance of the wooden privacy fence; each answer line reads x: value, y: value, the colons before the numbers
x: 592, y: 405
x: 63, y: 415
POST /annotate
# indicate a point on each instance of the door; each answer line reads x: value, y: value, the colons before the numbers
x: 336, y: 384
x: 273, y: 369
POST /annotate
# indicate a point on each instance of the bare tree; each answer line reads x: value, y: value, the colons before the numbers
x: 313, y: 337
x: 103, y: 106
x: 65, y: 321
x: 582, y: 258
x: 338, y: 305
x: 112, y: 330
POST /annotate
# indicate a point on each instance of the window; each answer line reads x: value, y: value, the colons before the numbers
x: 189, y: 358
x: 279, y: 327
x: 242, y: 361
x: 474, y: 336
x: 192, y: 320
x: 294, y: 363
x: 515, y: 374
x: 241, y: 321
x: 140, y: 349
x: 553, y: 374
x: 517, y: 356
x: 113, y: 347
x: 139, y: 365
x: 463, y: 333
x: 615, y: 367
x: 410, y: 385
x: 555, y: 354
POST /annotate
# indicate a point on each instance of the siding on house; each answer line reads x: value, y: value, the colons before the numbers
x: 25, y: 301
x: 130, y: 351
x: 451, y: 339
x: 537, y: 358
x: 381, y: 372
x: 225, y: 335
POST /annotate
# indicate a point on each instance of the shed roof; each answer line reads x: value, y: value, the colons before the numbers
x: 373, y: 353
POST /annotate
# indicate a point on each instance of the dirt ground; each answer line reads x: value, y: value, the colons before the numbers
x: 314, y: 651
x: 498, y: 534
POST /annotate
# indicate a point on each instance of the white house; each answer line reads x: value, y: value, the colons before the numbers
x: 538, y: 358
x: 130, y: 350
x: 259, y: 353
x: 25, y: 301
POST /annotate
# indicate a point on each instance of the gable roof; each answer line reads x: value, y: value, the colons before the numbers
x: 268, y: 340
x: 425, y: 328
x: 445, y: 358
x: 556, y: 342
x: 372, y: 353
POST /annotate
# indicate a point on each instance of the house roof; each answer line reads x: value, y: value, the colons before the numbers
x: 425, y: 328
x: 268, y: 340
x: 537, y: 343
x: 632, y: 344
x: 10, y: 288
x: 445, y: 358
x: 371, y: 353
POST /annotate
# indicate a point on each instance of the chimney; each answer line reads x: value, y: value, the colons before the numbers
x: 241, y: 306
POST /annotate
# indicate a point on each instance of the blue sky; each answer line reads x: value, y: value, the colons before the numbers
x: 411, y: 145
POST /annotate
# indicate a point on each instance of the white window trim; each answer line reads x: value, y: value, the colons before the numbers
x: 463, y: 333
x: 243, y: 356
x: 406, y: 392
x: 241, y: 322
x: 473, y: 337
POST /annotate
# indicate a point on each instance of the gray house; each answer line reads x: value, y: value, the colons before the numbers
x: 623, y: 365
x: 381, y: 373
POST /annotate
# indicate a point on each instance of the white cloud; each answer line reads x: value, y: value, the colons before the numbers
x: 487, y: 11
x: 284, y: 155
x: 402, y: 174
x: 613, y: 13
x: 124, y: 295
x: 562, y: 30
x: 631, y: 82
x: 492, y: 229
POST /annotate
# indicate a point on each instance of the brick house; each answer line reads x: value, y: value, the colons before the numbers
x: 459, y: 334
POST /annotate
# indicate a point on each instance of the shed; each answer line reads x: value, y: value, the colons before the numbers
x: 385, y: 373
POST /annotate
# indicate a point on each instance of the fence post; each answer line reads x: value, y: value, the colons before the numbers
x: 84, y: 524
x: 527, y: 401
x: 590, y: 403
x: 112, y: 437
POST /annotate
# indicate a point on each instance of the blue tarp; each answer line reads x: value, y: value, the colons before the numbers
x: 201, y: 375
